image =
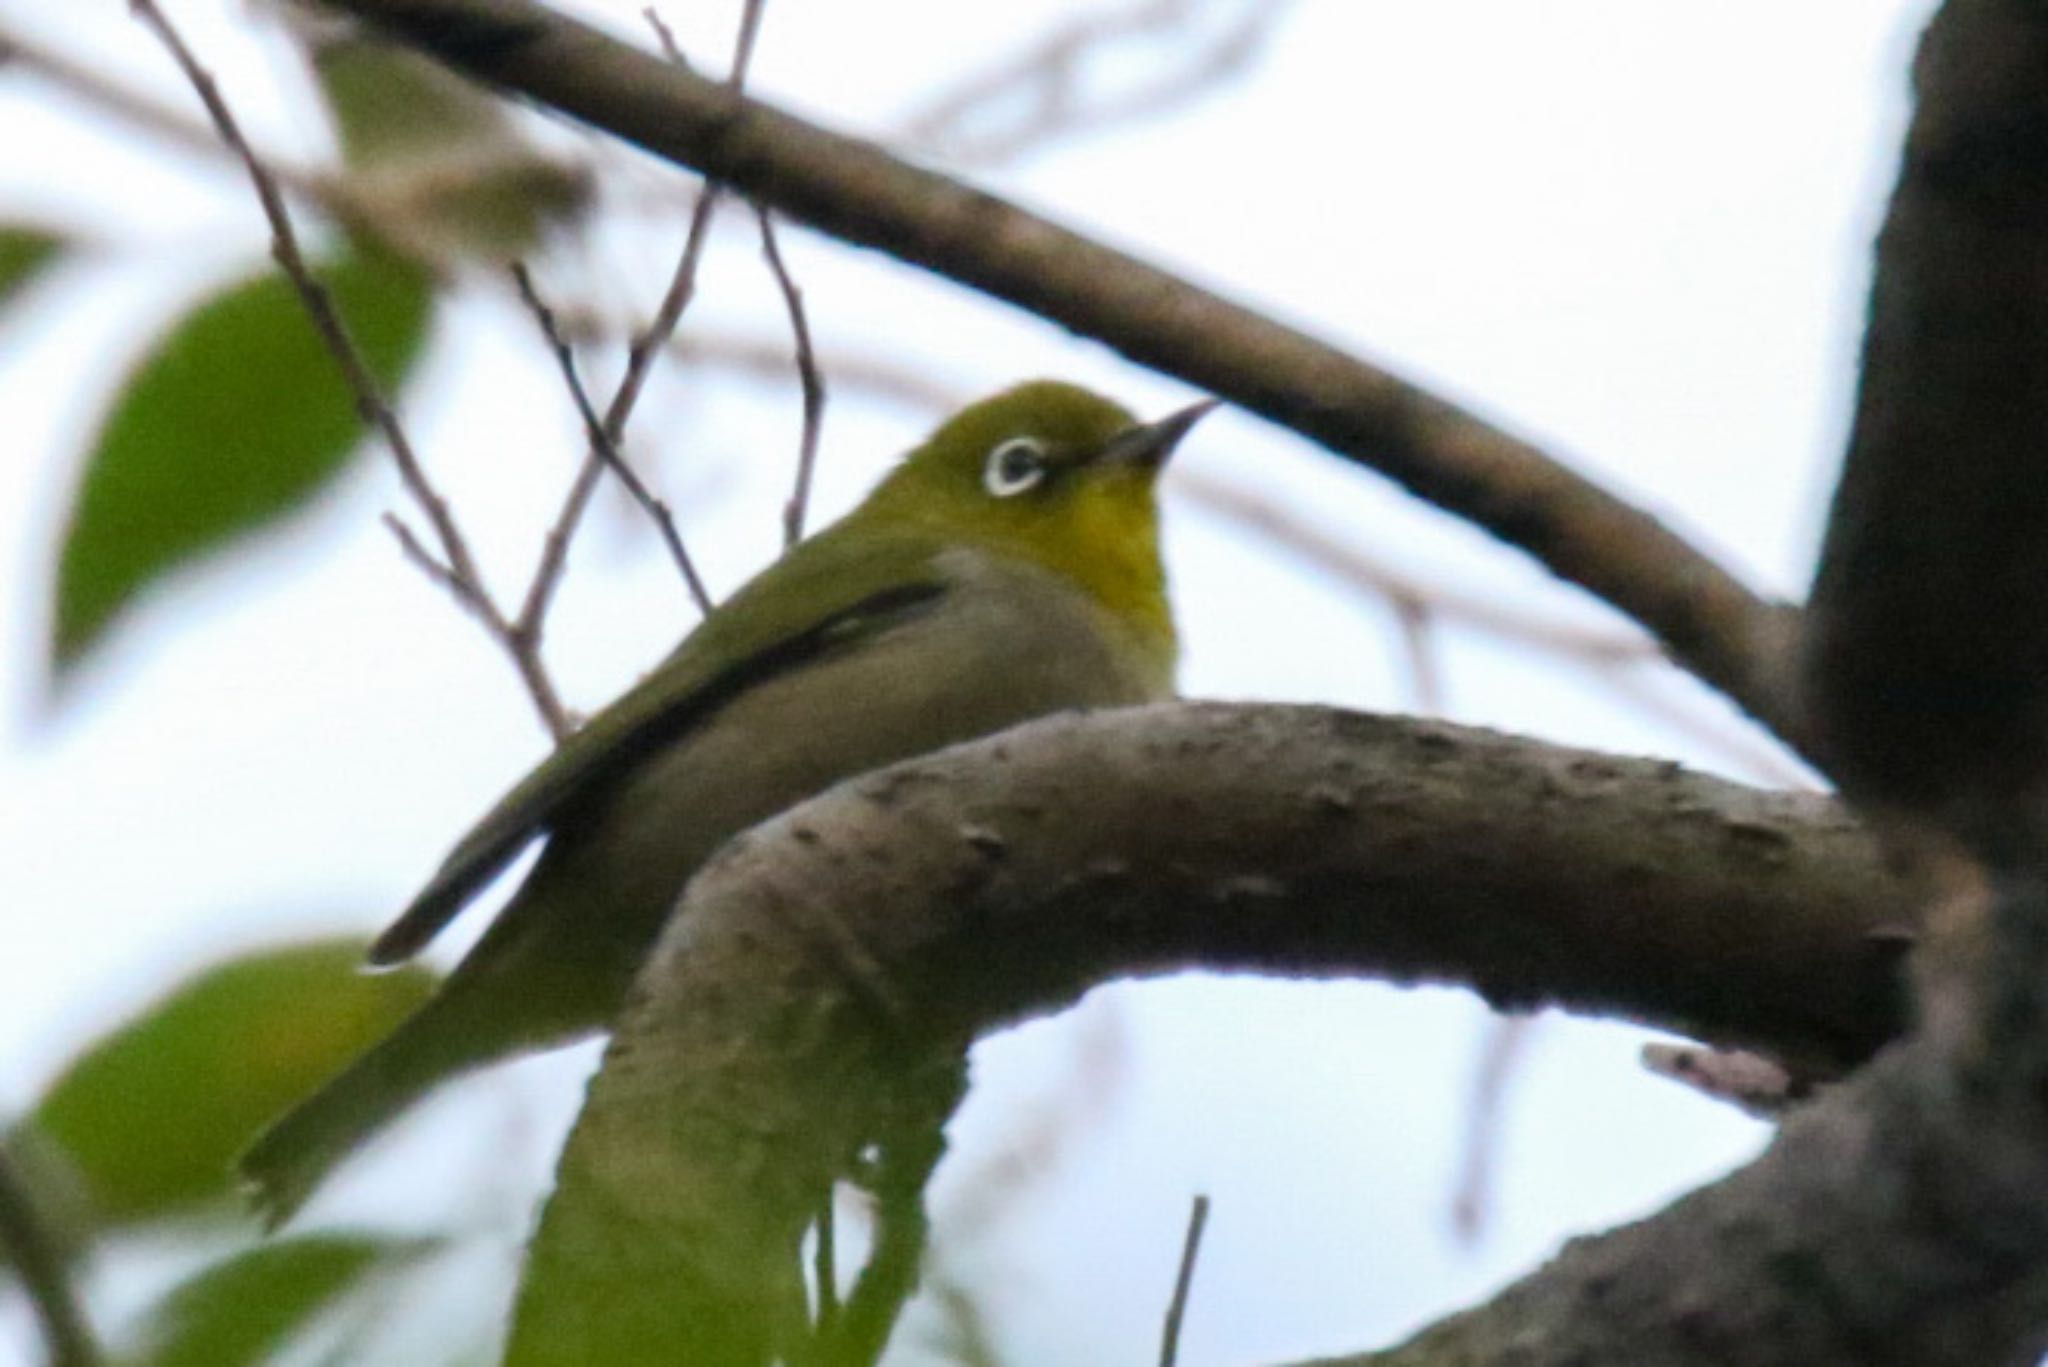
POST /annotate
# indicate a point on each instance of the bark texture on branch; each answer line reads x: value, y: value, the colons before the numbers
x: 858, y: 192
x: 829, y: 969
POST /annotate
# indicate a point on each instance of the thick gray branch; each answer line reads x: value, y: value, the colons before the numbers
x: 832, y: 958
x: 856, y: 191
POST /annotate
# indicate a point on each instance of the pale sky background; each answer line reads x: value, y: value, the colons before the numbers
x: 1634, y: 231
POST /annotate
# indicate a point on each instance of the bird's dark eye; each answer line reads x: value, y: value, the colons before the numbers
x: 1014, y: 466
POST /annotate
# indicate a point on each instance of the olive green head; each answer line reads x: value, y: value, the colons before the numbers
x: 1051, y: 473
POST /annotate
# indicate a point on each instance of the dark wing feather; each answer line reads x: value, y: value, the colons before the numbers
x: 676, y: 697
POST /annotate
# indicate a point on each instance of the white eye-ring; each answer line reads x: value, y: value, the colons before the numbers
x: 1014, y: 466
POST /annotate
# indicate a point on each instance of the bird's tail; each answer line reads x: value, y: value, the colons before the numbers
x: 519, y: 989
x: 290, y: 1160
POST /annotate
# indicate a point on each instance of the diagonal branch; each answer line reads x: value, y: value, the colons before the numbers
x: 640, y: 357
x: 856, y: 191
x: 809, y: 380
x: 594, y: 428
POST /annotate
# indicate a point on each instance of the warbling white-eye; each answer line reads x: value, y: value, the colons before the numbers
x: 1007, y: 568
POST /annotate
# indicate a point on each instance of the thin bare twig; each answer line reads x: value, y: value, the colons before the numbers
x: 1758, y: 1086
x: 1183, y: 1282
x: 1506, y: 1042
x: 38, y: 1258
x: 743, y: 48
x: 1417, y: 623
x: 410, y: 545
x: 665, y: 36
x: 600, y: 439
x: 812, y: 382
x: 547, y: 574
x: 682, y: 287
x: 460, y: 566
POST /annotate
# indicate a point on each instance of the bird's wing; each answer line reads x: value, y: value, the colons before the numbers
x: 827, y: 595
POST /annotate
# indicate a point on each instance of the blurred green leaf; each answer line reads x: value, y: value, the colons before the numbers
x: 391, y: 104
x: 236, y: 418
x: 152, y: 1117
x: 437, y: 166
x: 24, y: 252
x: 246, y: 1308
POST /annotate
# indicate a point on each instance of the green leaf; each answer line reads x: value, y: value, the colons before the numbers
x: 391, y: 104
x: 246, y: 1308
x: 152, y: 1117
x: 24, y: 253
x: 238, y: 417
x: 436, y: 164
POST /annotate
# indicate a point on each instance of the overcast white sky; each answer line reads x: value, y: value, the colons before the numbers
x: 1637, y: 232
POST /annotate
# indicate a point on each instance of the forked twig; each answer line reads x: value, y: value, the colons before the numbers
x: 640, y: 355
x: 457, y: 569
x: 601, y: 439
x: 808, y: 377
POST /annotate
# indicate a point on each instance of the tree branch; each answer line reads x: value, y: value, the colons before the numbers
x: 457, y: 570
x: 1183, y: 1282
x: 833, y: 965
x: 809, y: 381
x: 856, y: 191
x: 598, y: 435
x: 647, y: 344
x: 1930, y: 642
x: 28, y: 1245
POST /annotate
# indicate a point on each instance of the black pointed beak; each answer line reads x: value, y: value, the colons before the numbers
x: 1149, y: 444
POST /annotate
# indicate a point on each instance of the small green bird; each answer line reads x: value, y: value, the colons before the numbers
x: 1008, y: 568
